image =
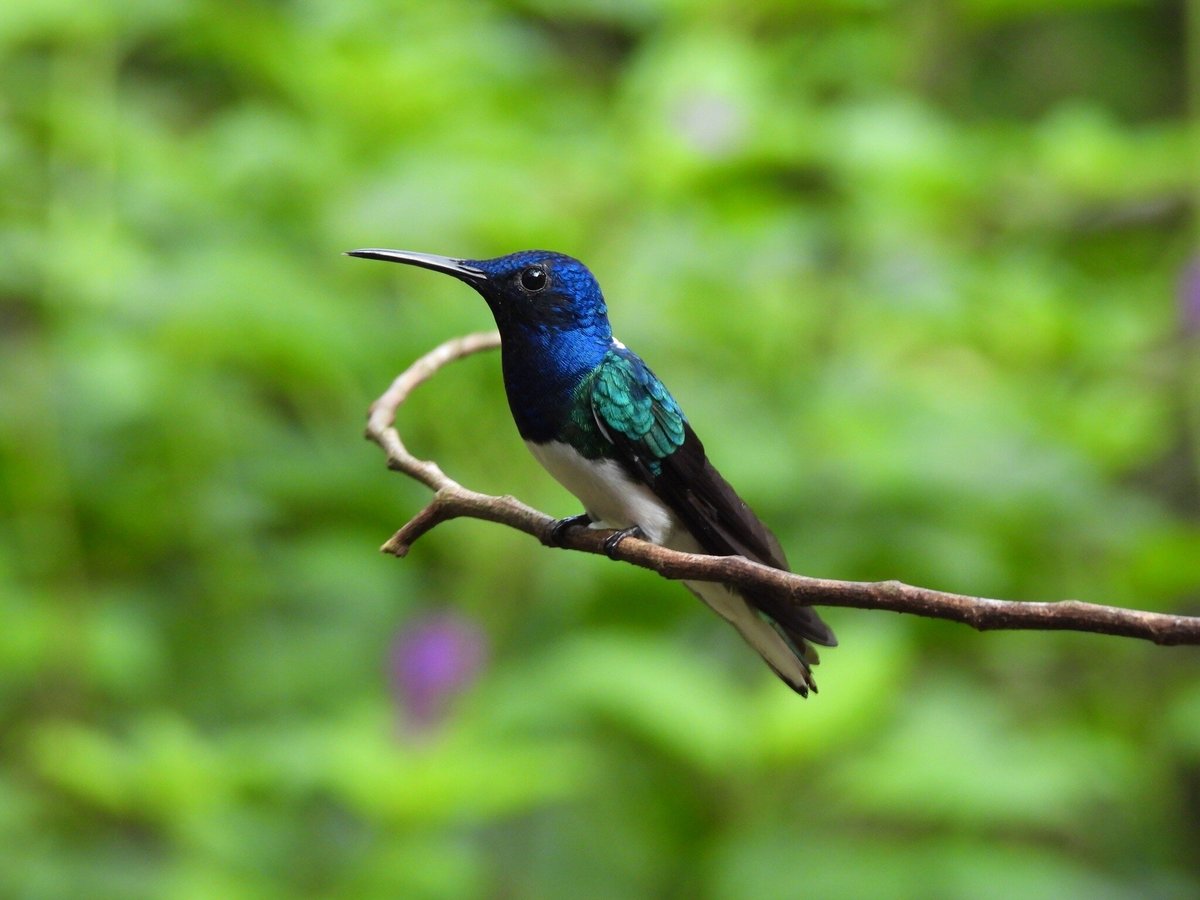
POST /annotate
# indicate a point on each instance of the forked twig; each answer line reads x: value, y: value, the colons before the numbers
x: 451, y: 500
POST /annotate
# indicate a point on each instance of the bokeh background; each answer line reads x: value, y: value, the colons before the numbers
x: 924, y: 276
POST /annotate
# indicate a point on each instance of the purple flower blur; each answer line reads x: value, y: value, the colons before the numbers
x: 1189, y: 298
x: 432, y: 660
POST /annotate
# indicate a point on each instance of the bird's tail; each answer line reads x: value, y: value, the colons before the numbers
x: 784, y: 650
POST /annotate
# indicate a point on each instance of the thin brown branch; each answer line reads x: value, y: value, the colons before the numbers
x: 451, y: 500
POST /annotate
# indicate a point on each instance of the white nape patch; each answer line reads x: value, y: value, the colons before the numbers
x: 609, y: 495
x: 619, y: 345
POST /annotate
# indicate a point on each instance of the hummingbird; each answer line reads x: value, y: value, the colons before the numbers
x: 605, y: 427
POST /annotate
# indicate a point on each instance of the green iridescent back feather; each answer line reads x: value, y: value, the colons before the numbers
x: 627, y: 398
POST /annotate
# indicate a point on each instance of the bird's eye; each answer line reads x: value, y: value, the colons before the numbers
x: 534, y: 279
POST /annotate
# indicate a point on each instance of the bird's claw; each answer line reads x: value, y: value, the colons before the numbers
x: 560, y: 526
x: 614, y: 540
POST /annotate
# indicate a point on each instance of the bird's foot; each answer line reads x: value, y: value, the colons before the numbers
x: 560, y: 526
x: 614, y: 540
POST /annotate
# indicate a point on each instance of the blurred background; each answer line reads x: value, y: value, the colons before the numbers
x: 925, y: 277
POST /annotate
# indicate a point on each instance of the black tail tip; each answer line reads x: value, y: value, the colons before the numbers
x: 800, y: 687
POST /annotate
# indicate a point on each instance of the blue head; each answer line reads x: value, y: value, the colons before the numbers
x: 552, y: 319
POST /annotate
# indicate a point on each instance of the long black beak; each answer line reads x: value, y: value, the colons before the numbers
x: 456, y: 267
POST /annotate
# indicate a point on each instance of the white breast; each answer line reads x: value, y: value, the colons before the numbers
x: 609, y: 495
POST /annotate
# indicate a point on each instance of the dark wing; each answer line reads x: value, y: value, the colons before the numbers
x: 654, y: 441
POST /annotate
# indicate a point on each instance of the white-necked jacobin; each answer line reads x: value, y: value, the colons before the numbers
x: 596, y: 417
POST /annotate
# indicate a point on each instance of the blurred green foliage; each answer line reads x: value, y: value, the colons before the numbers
x: 913, y: 269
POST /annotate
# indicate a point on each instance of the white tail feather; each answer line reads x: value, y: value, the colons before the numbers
x: 754, y: 629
